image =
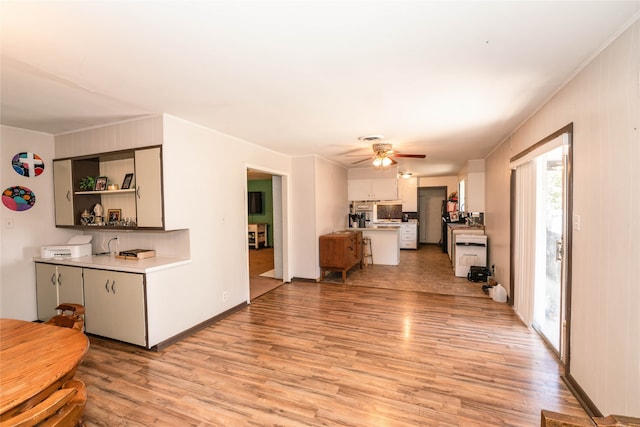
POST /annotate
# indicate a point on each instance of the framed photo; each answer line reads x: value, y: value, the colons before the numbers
x: 126, y: 184
x: 454, y: 217
x: 114, y: 215
x: 101, y: 183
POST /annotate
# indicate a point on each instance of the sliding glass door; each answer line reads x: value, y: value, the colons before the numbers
x: 548, y: 310
x: 541, y: 239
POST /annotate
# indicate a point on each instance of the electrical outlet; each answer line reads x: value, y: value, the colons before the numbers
x: 225, y: 296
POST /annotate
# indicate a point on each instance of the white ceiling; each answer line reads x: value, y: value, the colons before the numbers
x: 447, y: 79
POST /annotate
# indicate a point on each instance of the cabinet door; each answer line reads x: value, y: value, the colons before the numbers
x: 384, y: 189
x: 97, y: 302
x: 359, y: 189
x: 114, y: 304
x: 46, y: 290
x: 127, y: 291
x: 474, y: 197
x: 70, y: 289
x: 63, y: 192
x: 149, y: 187
x: 408, y: 194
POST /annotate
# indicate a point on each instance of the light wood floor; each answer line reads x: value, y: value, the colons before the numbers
x: 335, y: 354
x: 261, y: 261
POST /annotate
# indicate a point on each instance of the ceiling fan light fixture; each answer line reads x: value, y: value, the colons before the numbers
x: 381, y: 160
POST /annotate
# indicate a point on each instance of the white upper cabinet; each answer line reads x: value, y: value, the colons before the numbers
x: 474, y: 187
x: 373, y: 189
x: 408, y: 194
x: 148, y: 164
x: 63, y: 192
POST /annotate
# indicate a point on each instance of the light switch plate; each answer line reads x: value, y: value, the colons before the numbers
x: 576, y: 222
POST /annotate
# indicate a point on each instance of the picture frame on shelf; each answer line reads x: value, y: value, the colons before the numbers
x: 126, y: 184
x: 454, y: 216
x: 101, y: 183
x: 114, y: 215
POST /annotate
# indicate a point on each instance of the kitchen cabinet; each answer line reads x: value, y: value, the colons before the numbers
x: 148, y: 173
x: 408, y: 194
x: 257, y: 235
x: 409, y: 235
x: 474, y: 192
x: 140, y: 206
x: 115, y: 305
x: 56, y: 284
x: 373, y: 189
x: 63, y: 192
x: 340, y: 251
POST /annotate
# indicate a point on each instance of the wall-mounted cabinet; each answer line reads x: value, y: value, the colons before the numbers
x: 408, y: 194
x: 373, y: 189
x: 136, y: 207
x: 474, y: 198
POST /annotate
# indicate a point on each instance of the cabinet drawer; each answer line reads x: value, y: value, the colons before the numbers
x: 410, y: 233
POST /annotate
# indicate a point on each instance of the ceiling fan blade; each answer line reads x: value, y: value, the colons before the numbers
x: 361, y: 161
x: 414, y: 156
x: 393, y: 162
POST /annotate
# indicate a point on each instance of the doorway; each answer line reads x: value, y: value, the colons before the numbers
x: 264, y: 209
x: 542, y: 240
x: 430, y: 212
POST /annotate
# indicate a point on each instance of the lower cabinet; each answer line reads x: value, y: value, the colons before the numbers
x: 56, y: 284
x: 408, y: 236
x: 115, y: 305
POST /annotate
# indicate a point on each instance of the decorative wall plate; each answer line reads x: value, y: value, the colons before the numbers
x: 27, y: 164
x: 18, y: 198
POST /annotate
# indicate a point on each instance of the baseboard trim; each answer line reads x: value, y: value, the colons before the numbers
x: 184, y: 334
x: 583, y: 399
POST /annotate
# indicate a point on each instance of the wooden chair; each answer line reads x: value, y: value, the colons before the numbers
x: 70, y: 316
x: 63, y: 408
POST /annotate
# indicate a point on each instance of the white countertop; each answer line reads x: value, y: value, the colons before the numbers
x: 377, y: 228
x: 110, y: 262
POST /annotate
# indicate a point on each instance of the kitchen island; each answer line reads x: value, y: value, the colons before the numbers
x: 385, y: 243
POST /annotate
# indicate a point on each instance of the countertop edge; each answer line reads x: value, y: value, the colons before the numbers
x: 106, y: 262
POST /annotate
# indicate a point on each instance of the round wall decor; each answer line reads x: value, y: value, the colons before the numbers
x: 18, y: 198
x: 27, y: 164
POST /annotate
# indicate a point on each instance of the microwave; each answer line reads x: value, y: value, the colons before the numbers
x: 359, y: 207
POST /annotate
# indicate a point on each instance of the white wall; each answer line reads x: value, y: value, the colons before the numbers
x: 603, y: 102
x: 320, y: 191
x: 31, y: 229
x: 451, y: 182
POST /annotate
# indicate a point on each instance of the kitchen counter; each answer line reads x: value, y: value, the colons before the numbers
x: 385, y: 243
x: 110, y: 262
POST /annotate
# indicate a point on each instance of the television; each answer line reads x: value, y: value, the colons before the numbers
x: 255, y: 202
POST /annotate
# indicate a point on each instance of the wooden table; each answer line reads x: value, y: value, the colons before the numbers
x: 35, y: 360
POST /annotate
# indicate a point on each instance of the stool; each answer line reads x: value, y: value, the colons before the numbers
x: 367, y: 252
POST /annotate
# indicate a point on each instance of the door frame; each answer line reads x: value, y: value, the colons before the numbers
x: 565, y: 344
x: 280, y: 226
x: 444, y: 189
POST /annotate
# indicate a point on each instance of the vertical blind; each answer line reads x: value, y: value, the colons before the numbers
x: 525, y: 248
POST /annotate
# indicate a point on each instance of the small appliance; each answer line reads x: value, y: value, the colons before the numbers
x: 76, y: 247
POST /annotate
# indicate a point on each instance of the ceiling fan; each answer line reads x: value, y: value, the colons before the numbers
x: 383, y: 155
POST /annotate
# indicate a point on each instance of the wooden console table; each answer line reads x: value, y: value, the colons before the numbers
x: 36, y: 359
x: 340, y: 251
